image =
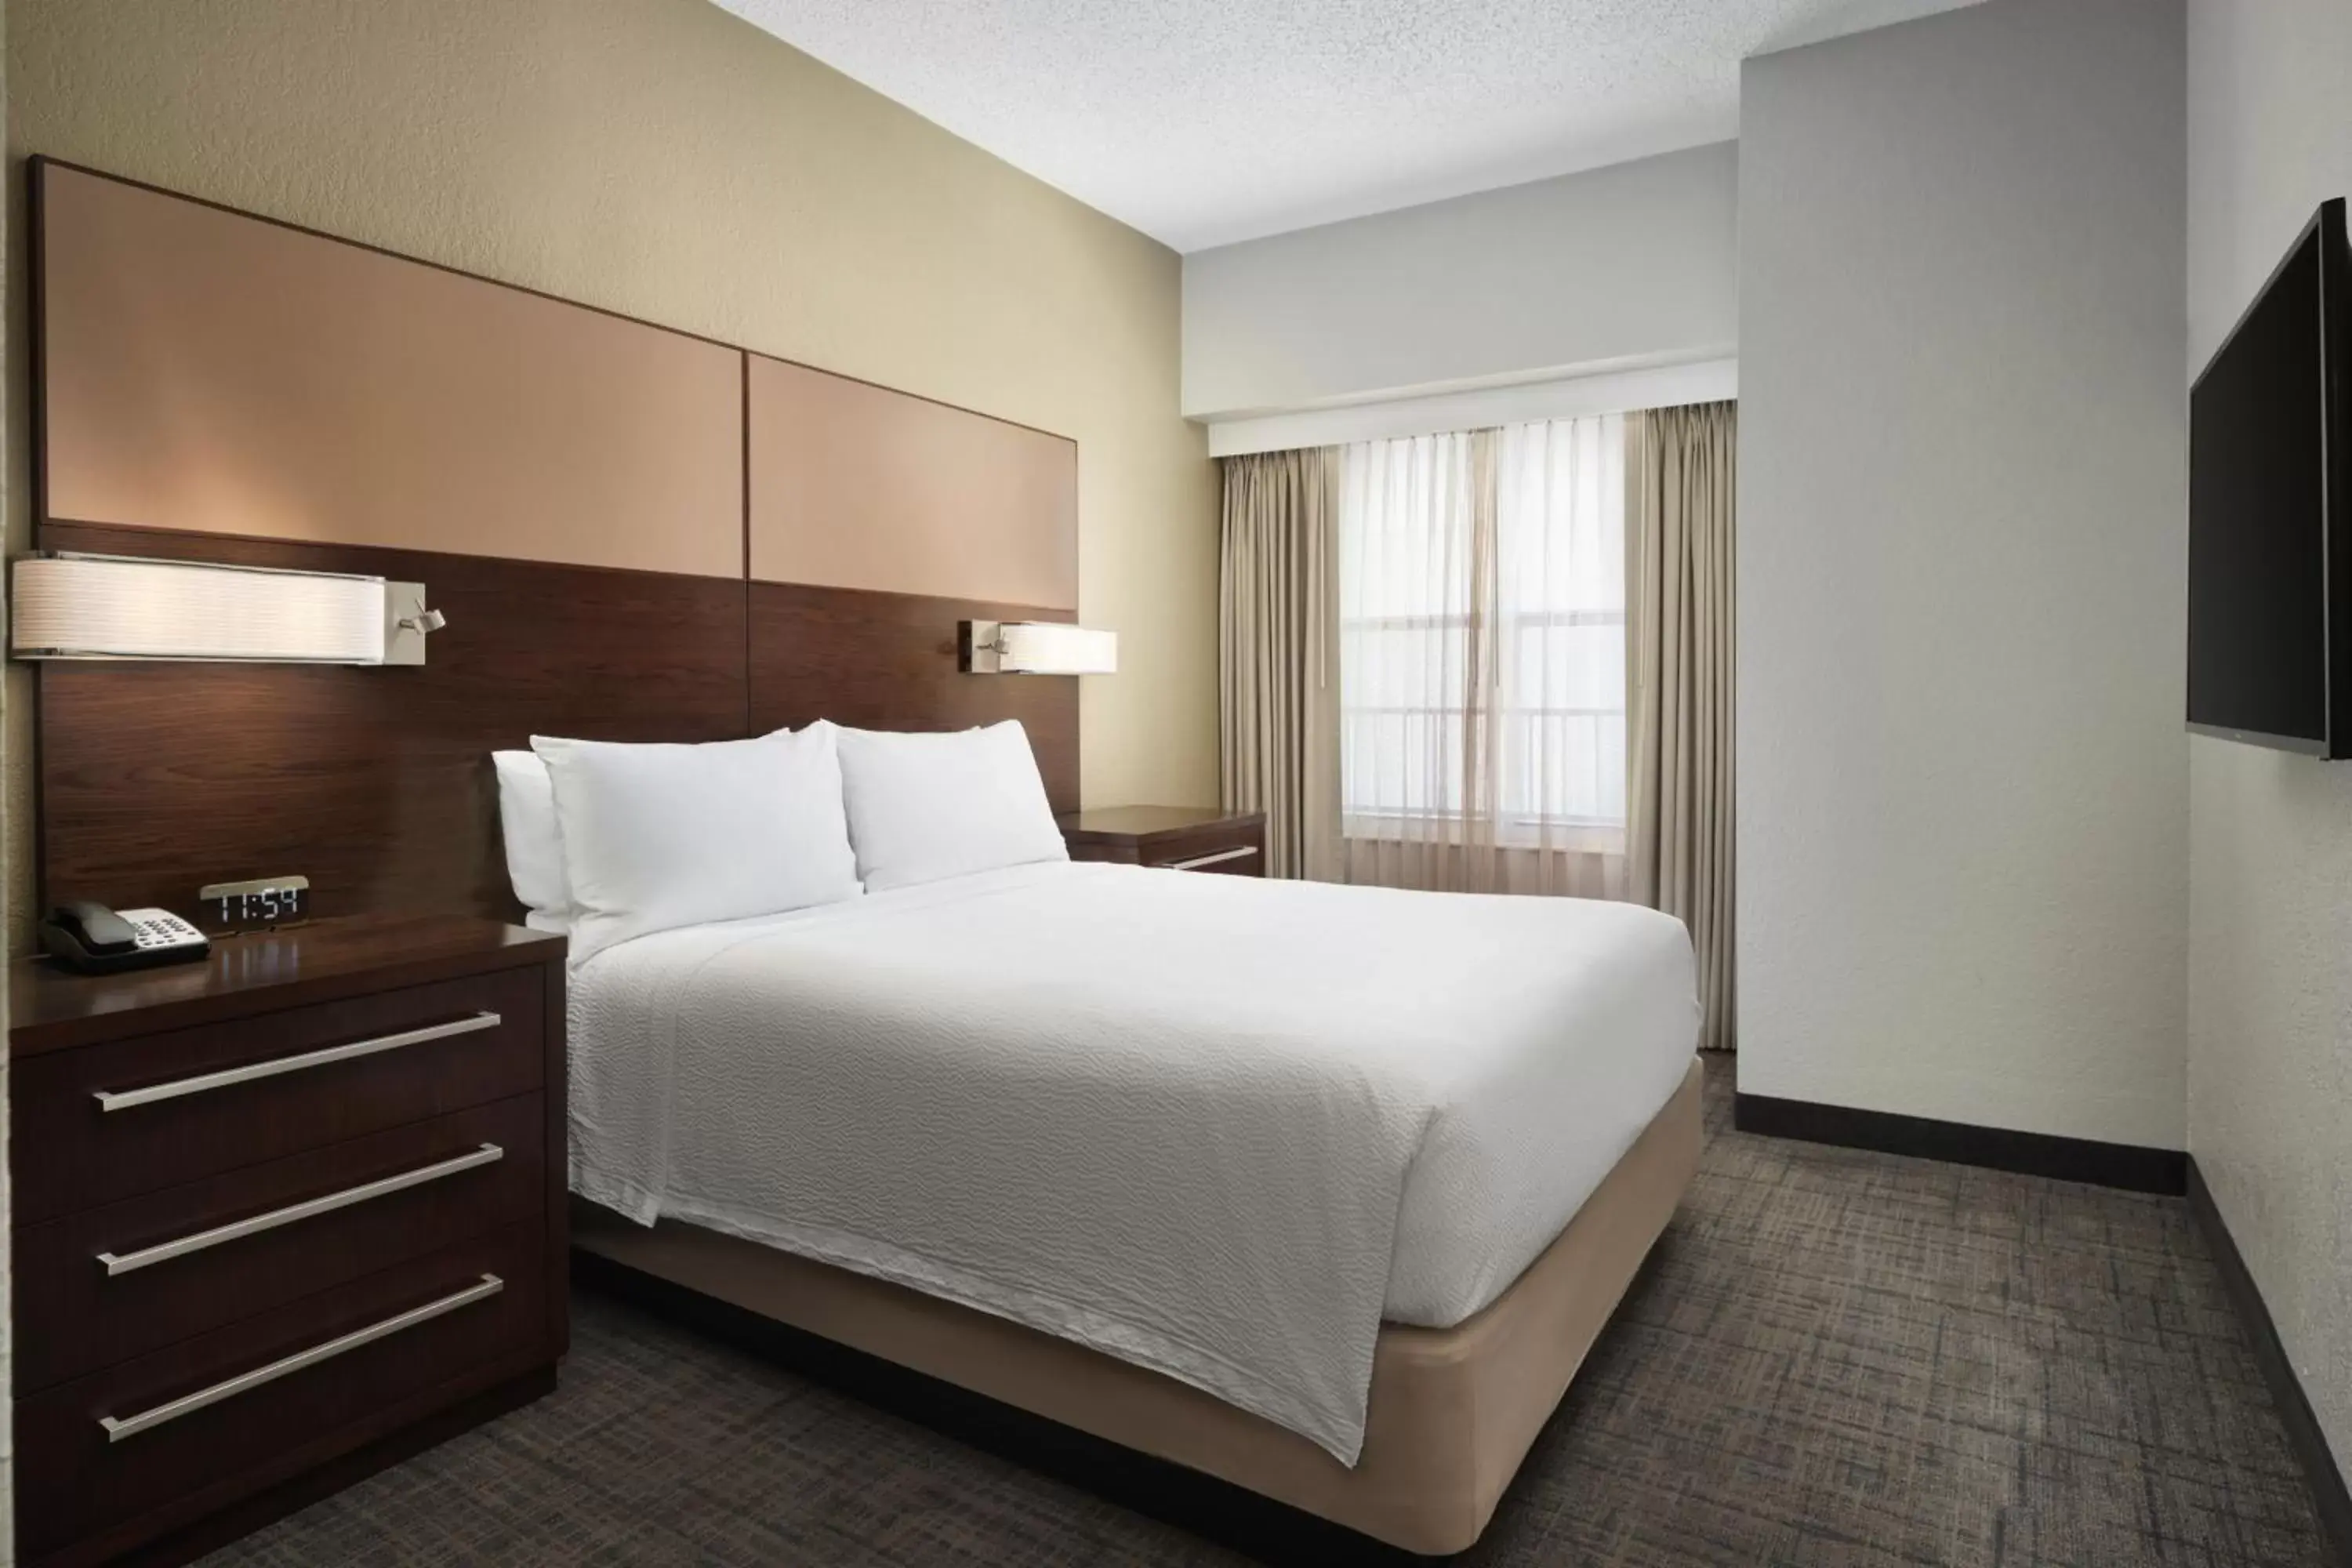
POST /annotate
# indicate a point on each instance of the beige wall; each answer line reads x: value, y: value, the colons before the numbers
x: 662, y: 159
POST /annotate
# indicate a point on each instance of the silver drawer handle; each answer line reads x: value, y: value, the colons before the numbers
x: 120, y: 1427
x: 163, y: 1251
x: 124, y: 1098
x: 1220, y: 857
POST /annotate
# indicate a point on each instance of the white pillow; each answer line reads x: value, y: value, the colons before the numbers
x: 923, y: 807
x: 658, y: 837
x: 534, y: 847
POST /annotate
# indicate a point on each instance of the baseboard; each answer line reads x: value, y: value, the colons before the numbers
x: 2303, y: 1435
x: 2124, y: 1165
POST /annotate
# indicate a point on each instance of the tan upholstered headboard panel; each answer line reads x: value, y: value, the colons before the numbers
x: 575, y: 489
x: 208, y: 374
x: 860, y: 487
x: 877, y: 520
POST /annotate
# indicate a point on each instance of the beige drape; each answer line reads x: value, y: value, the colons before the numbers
x: 1681, y: 468
x: 1278, y: 698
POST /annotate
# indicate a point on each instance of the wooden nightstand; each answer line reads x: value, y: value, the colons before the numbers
x: 1178, y: 838
x: 281, y: 1217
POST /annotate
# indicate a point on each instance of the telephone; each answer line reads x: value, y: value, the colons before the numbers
x: 96, y: 939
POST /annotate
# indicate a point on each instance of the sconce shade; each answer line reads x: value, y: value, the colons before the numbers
x: 1047, y: 648
x: 113, y: 606
x: 1036, y: 648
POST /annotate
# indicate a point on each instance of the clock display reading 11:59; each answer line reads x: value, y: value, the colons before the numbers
x: 257, y: 905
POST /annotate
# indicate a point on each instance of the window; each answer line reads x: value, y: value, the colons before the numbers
x: 1482, y: 631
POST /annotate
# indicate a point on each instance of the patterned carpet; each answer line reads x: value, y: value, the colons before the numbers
x: 1835, y: 1358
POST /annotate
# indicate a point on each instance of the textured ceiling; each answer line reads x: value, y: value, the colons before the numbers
x: 1204, y: 122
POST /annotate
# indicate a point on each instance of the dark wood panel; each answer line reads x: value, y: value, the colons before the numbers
x: 375, y: 783
x: 72, y: 1483
x: 51, y: 1008
x: 887, y: 661
x: 68, y: 1154
x: 72, y: 1317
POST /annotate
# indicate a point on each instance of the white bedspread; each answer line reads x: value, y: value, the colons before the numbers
x: 1216, y: 1126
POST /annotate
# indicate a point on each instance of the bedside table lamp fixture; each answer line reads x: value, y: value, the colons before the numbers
x: 1036, y: 647
x: 68, y: 605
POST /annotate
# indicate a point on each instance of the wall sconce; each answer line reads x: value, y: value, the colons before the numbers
x: 1034, y: 647
x: 69, y: 605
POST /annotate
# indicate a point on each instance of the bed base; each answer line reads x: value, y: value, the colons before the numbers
x: 1451, y: 1412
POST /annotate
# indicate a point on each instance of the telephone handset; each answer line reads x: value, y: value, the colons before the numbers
x: 90, y: 937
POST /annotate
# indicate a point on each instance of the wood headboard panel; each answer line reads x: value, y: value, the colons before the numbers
x: 375, y: 783
x: 887, y: 661
x: 205, y: 372
x: 855, y: 485
x: 580, y: 494
x: 876, y: 521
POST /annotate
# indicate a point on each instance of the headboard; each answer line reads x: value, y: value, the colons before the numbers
x: 635, y: 534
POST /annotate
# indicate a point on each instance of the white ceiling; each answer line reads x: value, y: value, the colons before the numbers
x: 1205, y: 122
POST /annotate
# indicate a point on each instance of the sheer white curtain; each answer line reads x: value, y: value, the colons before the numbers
x: 1482, y: 605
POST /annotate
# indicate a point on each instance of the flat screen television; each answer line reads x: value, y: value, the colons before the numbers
x: 2270, y: 511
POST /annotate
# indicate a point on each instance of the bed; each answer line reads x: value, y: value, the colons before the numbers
x: 1324, y: 1191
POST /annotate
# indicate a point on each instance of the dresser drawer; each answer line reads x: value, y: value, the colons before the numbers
x: 1225, y: 859
x: 237, y: 1409
x: 1234, y: 850
x: 1172, y: 838
x: 100, y: 1286
x: 93, y: 1126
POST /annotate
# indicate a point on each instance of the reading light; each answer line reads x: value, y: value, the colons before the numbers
x: 71, y: 606
x: 1036, y: 648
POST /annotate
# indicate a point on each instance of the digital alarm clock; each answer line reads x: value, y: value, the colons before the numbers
x: 259, y: 905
